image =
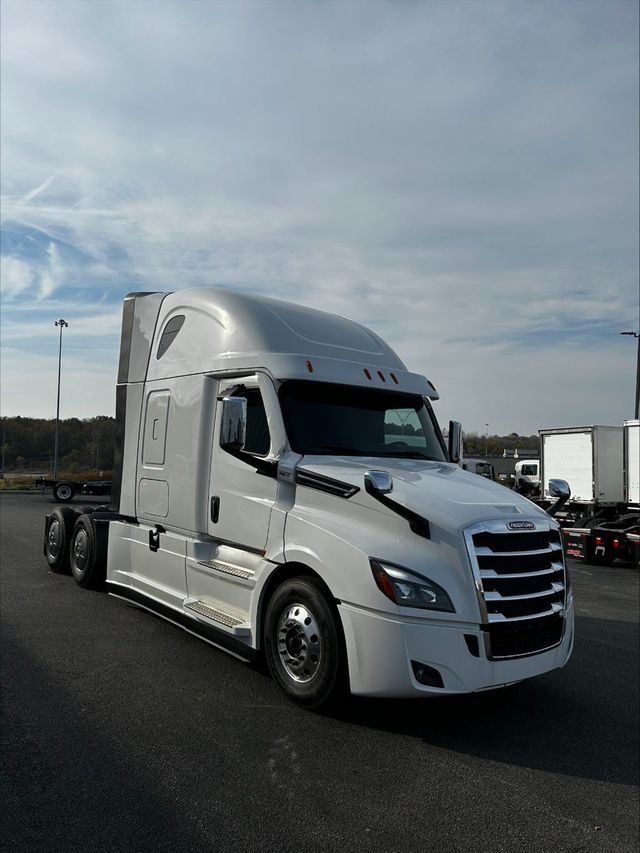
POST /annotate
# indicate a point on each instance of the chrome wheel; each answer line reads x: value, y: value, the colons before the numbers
x: 299, y: 643
x: 53, y: 538
x: 80, y: 551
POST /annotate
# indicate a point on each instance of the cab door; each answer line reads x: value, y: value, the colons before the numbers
x: 242, y: 484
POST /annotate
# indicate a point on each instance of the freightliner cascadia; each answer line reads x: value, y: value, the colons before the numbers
x: 282, y: 488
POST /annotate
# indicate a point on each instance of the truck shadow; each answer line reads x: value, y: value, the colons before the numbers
x: 581, y: 721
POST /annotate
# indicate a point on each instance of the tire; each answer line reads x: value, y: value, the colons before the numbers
x: 57, y: 539
x: 303, y: 643
x: 63, y: 492
x: 87, y: 562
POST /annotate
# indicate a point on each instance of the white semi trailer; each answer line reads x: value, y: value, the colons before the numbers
x: 265, y: 499
x: 602, y: 466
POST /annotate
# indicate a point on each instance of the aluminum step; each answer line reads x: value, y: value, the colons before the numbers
x: 234, y: 619
x: 227, y: 569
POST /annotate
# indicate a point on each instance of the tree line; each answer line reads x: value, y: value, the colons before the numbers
x: 83, y: 445
x: 474, y: 444
x: 87, y: 445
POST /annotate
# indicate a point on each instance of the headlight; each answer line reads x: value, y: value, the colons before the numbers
x: 408, y: 589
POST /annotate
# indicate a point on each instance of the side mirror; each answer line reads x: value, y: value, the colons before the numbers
x: 378, y: 482
x: 455, y: 441
x: 233, y: 429
x: 558, y: 489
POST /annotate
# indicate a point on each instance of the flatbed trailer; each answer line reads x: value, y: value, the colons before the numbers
x: 64, y: 491
x: 606, y: 541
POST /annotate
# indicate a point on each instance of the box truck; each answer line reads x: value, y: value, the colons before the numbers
x: 602, y: 466
x: 266, y: 498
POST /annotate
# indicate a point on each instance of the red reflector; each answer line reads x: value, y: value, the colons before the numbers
x: 616, y: 543
x: 367, y: 374
x: 309, y: 366
x: 598, y: 540
x: 394, y: 377
x: 381, y: 375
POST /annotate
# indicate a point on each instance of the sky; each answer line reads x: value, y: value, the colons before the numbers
x: 461, y: 177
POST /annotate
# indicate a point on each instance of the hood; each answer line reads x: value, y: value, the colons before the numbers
x: 438, y: 491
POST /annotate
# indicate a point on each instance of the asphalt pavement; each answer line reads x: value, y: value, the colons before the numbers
x: 121, y: 732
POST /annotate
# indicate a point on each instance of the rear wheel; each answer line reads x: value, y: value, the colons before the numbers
x: 58, y: 538
x: 87, y: 561
x: 63, y: 492
x: 303, y: 644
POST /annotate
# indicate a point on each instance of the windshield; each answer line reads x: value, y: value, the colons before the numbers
x: 344, y: 420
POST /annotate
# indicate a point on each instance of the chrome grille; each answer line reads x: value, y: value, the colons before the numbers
x: 522, y: 586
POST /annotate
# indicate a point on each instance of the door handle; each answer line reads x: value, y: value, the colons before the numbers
x: 215, y: 508
x: 154, y: 537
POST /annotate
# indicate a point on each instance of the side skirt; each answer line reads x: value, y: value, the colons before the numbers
x: 207, y: 633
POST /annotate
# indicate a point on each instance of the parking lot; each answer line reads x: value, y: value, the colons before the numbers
x: 121, y: 732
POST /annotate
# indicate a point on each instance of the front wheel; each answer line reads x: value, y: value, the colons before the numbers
x: 303, y: 644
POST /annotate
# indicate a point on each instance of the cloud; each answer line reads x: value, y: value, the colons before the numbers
x: 15, y: 275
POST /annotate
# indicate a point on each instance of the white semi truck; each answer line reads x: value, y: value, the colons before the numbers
x: 269, y: 498
x: 602, y: 465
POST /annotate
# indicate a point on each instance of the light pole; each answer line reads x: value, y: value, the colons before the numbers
x: 486, y: 441
x: 62, y: 323
x: 4, y: 439
x: 636, y: 335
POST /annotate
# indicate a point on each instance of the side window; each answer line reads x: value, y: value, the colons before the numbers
x: 169, y: 334
x: 257, y: 439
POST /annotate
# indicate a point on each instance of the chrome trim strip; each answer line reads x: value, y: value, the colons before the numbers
x: 501, y: 618
x: 491, y: 574
x: 494, y: 596
x: 483, y: 551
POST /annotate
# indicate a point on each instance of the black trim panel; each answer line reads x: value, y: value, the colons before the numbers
x: 418, y: 524
x: 268, y: 467
x: 325, y: 484
x: 118, y: 447
x: 249, y: 548
x: 204, y: 632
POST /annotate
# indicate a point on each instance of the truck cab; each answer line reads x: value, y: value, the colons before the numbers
x: 283, y: 488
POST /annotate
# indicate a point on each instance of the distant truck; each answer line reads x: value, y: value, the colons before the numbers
x: 602, y: 466
x: 265, y: 499
x: 65, y: 490
x: 528, y: 470
x: 480, y: 467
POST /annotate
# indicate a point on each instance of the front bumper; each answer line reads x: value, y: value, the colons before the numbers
x: 380, y: 648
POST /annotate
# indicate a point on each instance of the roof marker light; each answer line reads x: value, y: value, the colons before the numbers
x: 309, y: 366
x: 381, y: 375
x: 367, y: 374
x: 394, y: 377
